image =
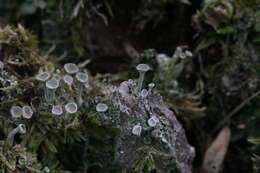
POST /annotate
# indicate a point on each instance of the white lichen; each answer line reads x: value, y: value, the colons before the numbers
x: 82, y: 77
x: 123, y: 88
x: 16, y: 111
x: 71, y: 68
x: 152, y: 122
x: 43, y: 76
x: 27, y: 112
x: 68, y: 79
x: 52, y: 84
x: 142, y: 69
x: 56, y: 110
x: 137, y: 130
x: 151, y: 86
x: 56, y: 77
x: 188, y: 53
x: 101, y: 107
x: 71, y: 107
x: 144, y: 93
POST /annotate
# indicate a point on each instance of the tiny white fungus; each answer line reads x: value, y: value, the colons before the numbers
x: 101, y: 107
x: 46, y: 169
x: 130, y: 81
x: 71, y: 107
x: 43, y: 76
x: 137, y: 129
x: 188, y: 53
x: 183, y: 55
x: 151, y: 85
x: 144, y: 93
x: 163, y: 60
x: 68, y: 79
x: 16, y: 111
x: 27, y: 112
x: 56, y: 76
x: 143, y: 67
x: 52, y: 84
x: 86, y: 85
x: 153, y: 121
x: 164, y: 140
x: 178, y: 51
x: 21, y: 128
x: 123, y: 88
x: 161, y: 55
x: 82, y: 77
x: 56, y: 110
x: 175, y: 83
x: 71, y: 68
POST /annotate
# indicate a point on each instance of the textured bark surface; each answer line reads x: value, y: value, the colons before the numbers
x: 185, y: 153
x: 164, y: 144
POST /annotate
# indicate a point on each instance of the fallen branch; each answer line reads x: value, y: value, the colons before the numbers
x: 236, y: 110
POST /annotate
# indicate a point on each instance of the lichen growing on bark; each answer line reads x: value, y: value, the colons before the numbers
x: 163, y: 147
x: 115, y: 129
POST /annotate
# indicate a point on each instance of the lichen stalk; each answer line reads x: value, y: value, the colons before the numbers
x: 19, y: 129
x: 140, y: 81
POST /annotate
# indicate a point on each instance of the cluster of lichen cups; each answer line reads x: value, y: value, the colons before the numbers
x: 68, y: 80
x: 137, y: 92
x: 58, y: 94
x: 141, y: 93
x: 71, y: 79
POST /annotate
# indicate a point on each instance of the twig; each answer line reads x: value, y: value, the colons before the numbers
x: 236, y: 110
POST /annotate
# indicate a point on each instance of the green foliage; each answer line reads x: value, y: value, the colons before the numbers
x: 17, y: 159
x: 229, y: 62
x: 229, y: 27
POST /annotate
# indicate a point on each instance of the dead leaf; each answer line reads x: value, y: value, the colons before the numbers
x: 215, y: 154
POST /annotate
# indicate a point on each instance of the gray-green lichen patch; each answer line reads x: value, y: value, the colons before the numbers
x: 165, y: 140
x: 67, y: 111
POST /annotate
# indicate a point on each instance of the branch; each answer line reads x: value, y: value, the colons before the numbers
x: 236, y: 110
